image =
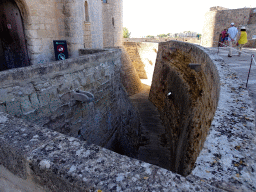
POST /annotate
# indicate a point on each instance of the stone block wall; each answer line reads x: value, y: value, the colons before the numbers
x: 59, y: 162
x: 143, y: 57
x: 112, y: 14
x: 90, y: 24
x: 41, y: 27
x: 218, y: 19
x: 87, y: 35
x: 45, y: 21
x: 129, y: 75
x: 41, y: 94
x: 186, y: 99
x: 96, y: 23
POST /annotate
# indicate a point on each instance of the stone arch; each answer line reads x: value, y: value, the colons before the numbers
x: 22, y: 5
x: 13, y: 49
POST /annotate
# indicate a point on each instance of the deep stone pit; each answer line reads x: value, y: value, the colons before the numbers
x: 186, y: 98
x: 53, y: 96
x: 41, y: 94
x: 63, y: 163
x: 185, y: 90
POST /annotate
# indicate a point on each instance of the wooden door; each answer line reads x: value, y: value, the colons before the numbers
x: 13, y: 51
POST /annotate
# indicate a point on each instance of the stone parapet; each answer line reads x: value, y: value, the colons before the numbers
x: 42, y: 94
x: 186, y: 99
x: 143, y: 56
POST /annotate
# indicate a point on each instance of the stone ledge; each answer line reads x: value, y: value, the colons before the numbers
x: 62, y: 163
x: 19, y: 74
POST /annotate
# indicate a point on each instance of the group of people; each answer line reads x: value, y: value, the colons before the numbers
x: 223, y: 38
x: 228, y: 37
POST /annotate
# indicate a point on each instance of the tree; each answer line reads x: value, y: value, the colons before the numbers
x: 126, y: 33
x: 162, y: 35
x: 150, y: 36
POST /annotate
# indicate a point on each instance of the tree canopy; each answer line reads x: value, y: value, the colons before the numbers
x: 126, y: 33
x: 164, y: 35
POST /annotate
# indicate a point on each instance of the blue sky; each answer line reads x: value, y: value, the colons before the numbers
x: 151, y: 17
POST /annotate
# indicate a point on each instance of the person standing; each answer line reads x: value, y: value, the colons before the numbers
x: 232, y: 33
x: 242, y: 40
x: 223, y: 36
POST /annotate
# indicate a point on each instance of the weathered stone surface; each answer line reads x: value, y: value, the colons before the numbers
x: 63, y: 163
x: 11, y: 182
x: 13, y: 107
x: 218, y: 19
x: 196, y: 67
x: 26, y: 106
x: 129, y: 76
x: 58, y: 94
x: 34, y: 100
x: 143, y: 56
x: 230, y: 144
x: 186, y: 113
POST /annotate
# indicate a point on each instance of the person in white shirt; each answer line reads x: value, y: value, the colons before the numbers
x: 232, y: 33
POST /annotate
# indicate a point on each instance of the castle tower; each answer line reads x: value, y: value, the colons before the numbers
x: 112, y: 17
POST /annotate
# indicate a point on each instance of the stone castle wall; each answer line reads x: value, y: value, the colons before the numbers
x: 83, y: 23
x: 130, y: 77
x: 46, y: 21
x: 143, y: 57
x: 218, y: 19
x: 112, y: 14
x: 44, y: 95
x: 59, y: 162
x: 186, y: 99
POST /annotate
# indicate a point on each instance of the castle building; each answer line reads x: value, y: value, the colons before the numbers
x: 219, y: 18
x: 28, y: 28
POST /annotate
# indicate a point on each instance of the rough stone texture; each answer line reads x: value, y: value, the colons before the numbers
x: 228, y: 158
x: 44, y: 94
x: 186, y: 100
x: 63, y: 163
x: 218, y: 19
x: 129, y: 75
x: 112, y: 21
x: 12, y: 183
x: 143, y: 57
x: 83, y: 25
x: 87, y: 35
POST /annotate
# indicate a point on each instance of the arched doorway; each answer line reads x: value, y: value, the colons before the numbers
x: 13, y: 50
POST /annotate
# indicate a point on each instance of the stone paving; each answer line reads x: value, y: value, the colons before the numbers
x: 240, y: 65
x: 228, y: 159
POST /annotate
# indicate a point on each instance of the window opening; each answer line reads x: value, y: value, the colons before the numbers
x: 86, y: 11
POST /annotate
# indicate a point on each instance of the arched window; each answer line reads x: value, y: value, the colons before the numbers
x: 86, y: 11
x: 113, y: 21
